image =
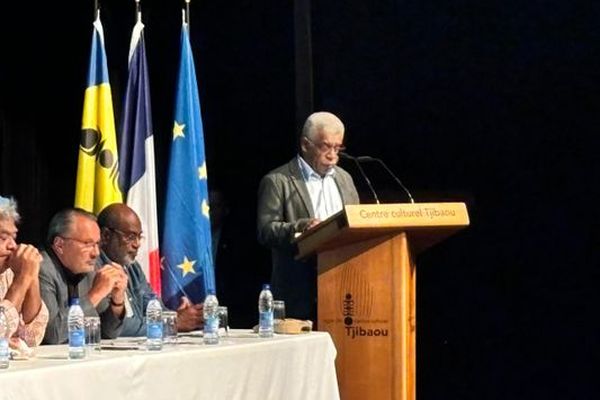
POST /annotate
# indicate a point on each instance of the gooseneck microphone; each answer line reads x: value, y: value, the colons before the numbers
x: 360, y: 159
x: 389, y: 171
x: 362, y: 172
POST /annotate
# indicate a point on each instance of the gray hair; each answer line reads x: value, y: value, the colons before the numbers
x: 8, y: 209
x: 61, y: 222
x: 318, y: 121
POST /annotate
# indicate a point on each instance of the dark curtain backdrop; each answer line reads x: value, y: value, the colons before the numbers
x: 494, y: 103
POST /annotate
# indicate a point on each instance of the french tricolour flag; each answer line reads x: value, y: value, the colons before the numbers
x: 136, y: 147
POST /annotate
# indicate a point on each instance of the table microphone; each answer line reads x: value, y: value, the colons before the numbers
x: 362, y: 172
x: 389, y: 171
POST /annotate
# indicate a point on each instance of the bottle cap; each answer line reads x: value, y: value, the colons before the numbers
x: 266, y: 286
x: 74, y: 301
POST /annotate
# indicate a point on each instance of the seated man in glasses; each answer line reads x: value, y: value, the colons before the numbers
x: 296, y: 197
x: 121, y: 232
x: 19, y: 284
x: 69, y: 270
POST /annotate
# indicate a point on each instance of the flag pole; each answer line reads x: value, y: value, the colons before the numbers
x: 187, y: 13
x: 96, y: 9
x: 138, y: 11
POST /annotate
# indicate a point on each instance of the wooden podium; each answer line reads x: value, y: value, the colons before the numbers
x: 367, y: 290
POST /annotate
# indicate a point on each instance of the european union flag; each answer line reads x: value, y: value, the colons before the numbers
x: 186, y: 246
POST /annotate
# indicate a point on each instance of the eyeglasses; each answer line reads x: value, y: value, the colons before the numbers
x: 128, y: 237
x: 326, y: 147
x: 86, y: 244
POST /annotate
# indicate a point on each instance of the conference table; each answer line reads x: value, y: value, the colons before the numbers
x: 241, y: 366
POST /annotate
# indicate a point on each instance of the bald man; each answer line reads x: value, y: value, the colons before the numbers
x: 121, y: 234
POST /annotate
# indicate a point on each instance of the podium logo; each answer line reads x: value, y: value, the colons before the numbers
x: 348, y: 309
x: 353, y: 331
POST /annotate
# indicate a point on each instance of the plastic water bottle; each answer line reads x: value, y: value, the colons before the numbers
x: 4, y: 332
x: 211, y: 318
x: 76, y: 331
x: 154, y: 325
x: 265, y: 312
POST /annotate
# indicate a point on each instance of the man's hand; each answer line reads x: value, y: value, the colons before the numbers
x: 25, y: 262
x: 189, y: 316
x: 104, y: 283
x: 312, y: 223
x: 118, y: 291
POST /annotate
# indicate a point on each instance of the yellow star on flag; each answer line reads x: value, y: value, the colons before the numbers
x: 187, y: 266
x: 178, y: 130
x: 205, y: 208
x: 202, y: 171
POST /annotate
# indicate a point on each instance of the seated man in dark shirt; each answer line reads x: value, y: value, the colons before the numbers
x: 121, y: 233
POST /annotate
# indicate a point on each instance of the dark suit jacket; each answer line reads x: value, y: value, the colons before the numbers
x: 284, y: 208
x: 54, y: 292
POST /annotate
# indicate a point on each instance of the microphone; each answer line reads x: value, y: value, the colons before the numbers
x: 362, y: 172
x: 389, y: 171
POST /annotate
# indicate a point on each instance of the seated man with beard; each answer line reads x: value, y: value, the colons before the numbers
x: 121, y: 233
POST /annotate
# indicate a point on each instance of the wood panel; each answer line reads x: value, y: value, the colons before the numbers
x: 367, y: 304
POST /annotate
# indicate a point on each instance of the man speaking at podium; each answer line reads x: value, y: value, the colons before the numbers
x: 297, y: 196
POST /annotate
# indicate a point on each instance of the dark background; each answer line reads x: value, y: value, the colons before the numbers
x: 494, y: 103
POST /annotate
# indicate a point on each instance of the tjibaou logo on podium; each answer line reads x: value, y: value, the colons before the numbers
x: 356, y: 299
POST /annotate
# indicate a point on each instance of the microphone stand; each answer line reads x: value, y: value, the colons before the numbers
x: 362, y: 172
x: 389, y: 171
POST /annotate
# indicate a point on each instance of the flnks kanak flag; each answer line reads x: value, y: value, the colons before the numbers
x: 186, y: 242
x: 98, y: 164
x: 136, y: 151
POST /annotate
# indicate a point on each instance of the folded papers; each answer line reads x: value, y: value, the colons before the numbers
x: 290, y: 326
x: 19, y: 350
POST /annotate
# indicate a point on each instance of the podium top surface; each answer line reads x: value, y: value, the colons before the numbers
x: 425, y: 223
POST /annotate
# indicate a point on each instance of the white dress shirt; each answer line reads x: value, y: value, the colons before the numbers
x: 323, y: 191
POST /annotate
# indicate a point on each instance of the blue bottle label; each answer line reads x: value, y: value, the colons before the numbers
x: 155, y: 330
x: 211, y: 325
x: 76, y: 338
x: 266, y: 319
x: 4, y: 352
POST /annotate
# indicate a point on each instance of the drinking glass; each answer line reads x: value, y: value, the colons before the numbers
x: 223, y: 321
x: 278, y: 311
x: 92, y: 334
x: 169, y: 327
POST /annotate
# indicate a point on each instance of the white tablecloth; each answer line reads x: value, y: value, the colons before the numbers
x: 240, y: 367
